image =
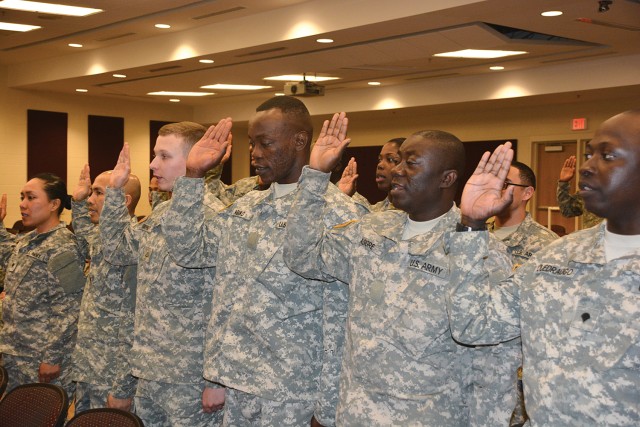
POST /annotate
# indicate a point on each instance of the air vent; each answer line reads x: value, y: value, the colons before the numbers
x: 608, y: 24
x: 118, y: 36
x: 519, y: 34
x: 221, y: 12
x: 379, y: 68
x: 434, y: 76
x: 261, y: 52
x: 574, y: 58
x: 170, y: 67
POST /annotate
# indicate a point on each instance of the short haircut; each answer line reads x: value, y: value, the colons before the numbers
x: 397, y: 141
x: 294, y: 109
x: 55, y: 188
x: 526, y: 174
x: 190, y: 132
x: 453, y: 154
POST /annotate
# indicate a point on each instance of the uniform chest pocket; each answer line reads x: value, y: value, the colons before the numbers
x: 420, y: 321
x: 607, y: 330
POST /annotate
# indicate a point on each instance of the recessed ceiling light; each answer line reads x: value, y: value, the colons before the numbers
x: 163, y: 26
x: 279, y: 94
x: 174, y: 100
x: 299, y: 77
x: 552, y: 13
x: 496, y: 68
x: 224, y: 86
x: 82, y: 90
x: 374, y: 83
x: 75, y: 45
x: 8, y: 26
x: 206, y: 61
x: 53, y: 9
x: 480, y: 53
x: 325, y: 40
x: 170, y: 93
x: 120, y: 76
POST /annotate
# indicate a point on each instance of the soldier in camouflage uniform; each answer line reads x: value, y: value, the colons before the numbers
x: 576, y: 302
x: 275, y: 338
x: 43, y: 288
x: 172, y: 302
x: 495, y: 367
x: 572, y: 204
x: 387, y: 160
x: 400, y: 364
x: 105, y: 328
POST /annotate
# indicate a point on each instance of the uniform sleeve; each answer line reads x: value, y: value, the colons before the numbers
x: 7, y: 242
x: 83, y: 228
x: 188, y: 225
x: 483, y: 306
x: 309, y: 249
x: 334, y: 318
x: 124, y: 383
x: 570, y: 204
x: 67, y: 268
x: 119, y: 243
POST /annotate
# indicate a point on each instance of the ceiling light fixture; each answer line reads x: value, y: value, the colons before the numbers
x: 300, y: 77
x: 8, y: 26
x: 224, y: 86
x: 480, y: 53
x: 120, y: 76
x: 324, y: 40
x: 279, y: 94
x: 163, y: 26
x: 550, y: 13
x: 50, y: 8
x: 174, y: 100
x: 374, y: 83
x: 82, y: 90
x: 170, y: 93
x: 74, y: 45
x: 206, y: 61
x: 496, y: 68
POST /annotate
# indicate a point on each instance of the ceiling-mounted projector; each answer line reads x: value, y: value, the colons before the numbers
x: 303, y: 88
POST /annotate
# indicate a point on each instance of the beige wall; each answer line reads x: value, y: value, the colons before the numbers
x: 526, y: 119
x: 13, y: 135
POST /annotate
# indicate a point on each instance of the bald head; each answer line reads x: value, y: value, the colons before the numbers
x: 132, y: 189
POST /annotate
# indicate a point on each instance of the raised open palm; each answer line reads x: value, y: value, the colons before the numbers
x: 210, y: 150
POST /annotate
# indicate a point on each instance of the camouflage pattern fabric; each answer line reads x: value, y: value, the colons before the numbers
x: 274, y: 334
x: 172, y: 302
x: 495, y: 367
x: 161, y: 404
x: 400, y: 364
x: 579, y: 320
x: 382, y: 205
x: 105, y: 325
x: 230, y: 193
x: 90, y: 396
x: 572, y: 205
x: 43, y: 286
x: 248, y: 410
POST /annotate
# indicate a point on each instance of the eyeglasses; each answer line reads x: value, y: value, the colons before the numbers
x: 507, y: 183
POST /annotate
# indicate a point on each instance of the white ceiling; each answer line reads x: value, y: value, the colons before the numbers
x: 392, y: 42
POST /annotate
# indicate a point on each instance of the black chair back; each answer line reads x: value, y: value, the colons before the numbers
x: 105, y: 417
x: 34, y: 405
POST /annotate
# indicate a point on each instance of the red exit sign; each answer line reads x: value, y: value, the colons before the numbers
x: 579, y: 124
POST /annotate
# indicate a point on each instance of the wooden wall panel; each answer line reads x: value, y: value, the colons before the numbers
x: 47, y: 143
x: 105, y: 137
